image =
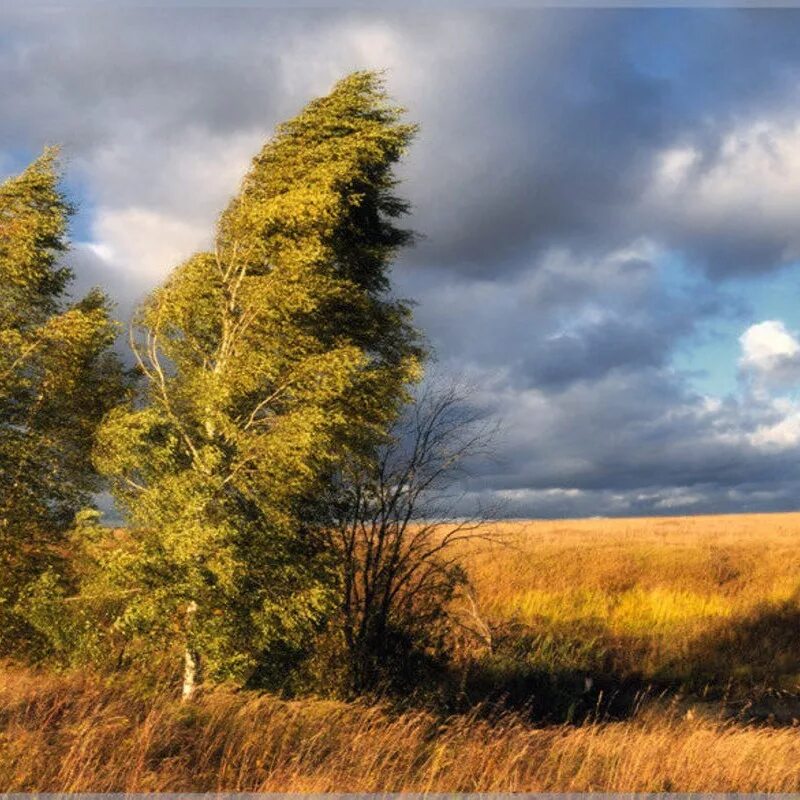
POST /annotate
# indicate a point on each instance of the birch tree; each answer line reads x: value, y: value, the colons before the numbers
x: 58, y: 377
x: 265, y: 360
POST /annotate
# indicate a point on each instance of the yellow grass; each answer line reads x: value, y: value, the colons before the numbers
x: 737, y: 559
x: 652, y: 590
x: 651, y: 597
x: 74, y: 735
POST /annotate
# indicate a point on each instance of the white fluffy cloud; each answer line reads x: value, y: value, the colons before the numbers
x: 783, y: 434
x: 770, y: 352
x: 771, y: 360
x: 767, y: 343
x: 144, y: 243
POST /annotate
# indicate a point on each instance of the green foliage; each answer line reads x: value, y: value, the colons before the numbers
x: 266, y: 361
x: 82, y: 627
x: 58, y: 377
x: 34, y: 217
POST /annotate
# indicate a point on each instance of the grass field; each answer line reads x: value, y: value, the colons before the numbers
x: 696, y: 619
x: 699, y: 600
x: 74, y: 734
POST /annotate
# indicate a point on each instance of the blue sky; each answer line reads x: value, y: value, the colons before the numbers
x: 710, y: 358
x: 609, y: 202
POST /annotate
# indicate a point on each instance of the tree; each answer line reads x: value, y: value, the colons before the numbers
x: 265, y: 360
x: 398, y: 520
x: 58, y: 377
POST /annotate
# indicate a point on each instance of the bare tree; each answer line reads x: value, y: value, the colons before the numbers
x: 398, y: 520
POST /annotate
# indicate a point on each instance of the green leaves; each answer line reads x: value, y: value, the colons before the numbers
x: 33, y: 227
x: 58, y: 377
x: 266, y: 362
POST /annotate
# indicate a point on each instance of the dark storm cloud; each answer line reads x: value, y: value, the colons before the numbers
x: 566, y: 161
x: 539, y: 129
x: 575, y: 136
x: 632, y: 442
x: 593, y: 350
x: 543, y: 145
x: 85, y: 74
x: 568, y: 318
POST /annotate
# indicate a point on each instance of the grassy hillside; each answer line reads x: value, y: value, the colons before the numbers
x: 691, y: 623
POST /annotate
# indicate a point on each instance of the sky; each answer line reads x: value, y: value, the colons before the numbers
x: 609, y: 203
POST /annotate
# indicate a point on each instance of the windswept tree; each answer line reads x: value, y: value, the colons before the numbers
x: 266, y: 361
x: 58, y: 377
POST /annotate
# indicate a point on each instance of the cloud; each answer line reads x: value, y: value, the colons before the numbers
x: 636, y: 443
x: 567, y: 318
x: 770, y: 350
x: 783, y: 434
x: 132, y: 250
x: 590, y: 185
x: 146, y: 244
x: 734, y: 205
x: 509, y: 162
x: 770, y: 361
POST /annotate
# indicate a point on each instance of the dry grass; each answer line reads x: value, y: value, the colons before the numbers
x: 750, y: 555
x: 658, y: 597
x: 713, y: 595
x: 75, y: 735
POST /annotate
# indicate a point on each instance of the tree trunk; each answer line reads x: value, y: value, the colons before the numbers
x: 191, y: 658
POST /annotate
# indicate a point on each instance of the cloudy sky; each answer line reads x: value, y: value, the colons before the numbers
x: 610, y: 201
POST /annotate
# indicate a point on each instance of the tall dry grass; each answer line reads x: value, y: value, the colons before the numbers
x: 656, y: 597
x: 714, y: 597
x: 75, y: 734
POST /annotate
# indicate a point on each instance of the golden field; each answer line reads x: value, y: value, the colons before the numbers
x: 698, y: 615
x: 684, y: 598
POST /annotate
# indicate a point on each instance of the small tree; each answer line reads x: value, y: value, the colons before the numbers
x: 399, y: 519
x: 266, y: 361
x: 58, y: 376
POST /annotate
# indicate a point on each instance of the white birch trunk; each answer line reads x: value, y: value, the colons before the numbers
x: 191, y: 660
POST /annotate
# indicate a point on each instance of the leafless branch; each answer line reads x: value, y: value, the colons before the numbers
x: 400, y: 522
